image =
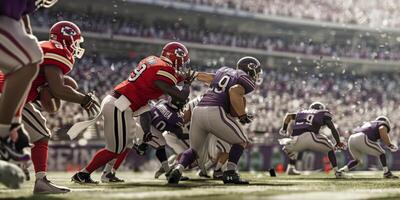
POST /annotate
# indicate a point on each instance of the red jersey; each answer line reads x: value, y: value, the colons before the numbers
x: 140, y: 88
x: 54, y: 55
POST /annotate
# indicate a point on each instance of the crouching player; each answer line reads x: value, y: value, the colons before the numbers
x: 153, y: 77
x: 227, y: 89
x: 306, y: 134
x: 365, y: 141
x: 178, y: 140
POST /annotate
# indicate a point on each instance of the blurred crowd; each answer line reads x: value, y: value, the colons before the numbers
x: 373, y: 13
x: 352, y: 99
x: 169, y: 30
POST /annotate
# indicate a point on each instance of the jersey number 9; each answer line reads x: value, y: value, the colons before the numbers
x: 222, y: 84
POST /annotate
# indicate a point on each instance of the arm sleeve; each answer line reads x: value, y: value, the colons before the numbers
x: 246, y: 83
x: 145, y: 121
x: 167, y: 75
x: 55, y: 58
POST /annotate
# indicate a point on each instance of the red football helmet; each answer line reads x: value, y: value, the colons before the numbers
x: 175, y: 54
x: 69, y: 35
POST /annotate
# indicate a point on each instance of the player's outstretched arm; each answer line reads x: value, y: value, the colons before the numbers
x: 205, y: 77
x: 57, y: 87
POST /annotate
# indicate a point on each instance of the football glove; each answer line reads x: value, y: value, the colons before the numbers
x: 341, y: 146
x: 190, y: 75
x: 45, y: 3
x: 283, y: 133
x: 393, y: 147
x: 246, y: 119
x: 147, y: 137
x: 91, y: 105
x: 141, y: 149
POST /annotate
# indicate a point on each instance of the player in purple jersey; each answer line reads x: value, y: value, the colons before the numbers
x: 20, y: 56
x: 227, y: 89
x: 305, y: 135
x: 365, y: 141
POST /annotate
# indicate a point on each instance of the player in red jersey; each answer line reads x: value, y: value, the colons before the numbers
x: 59, y: 52
x: 153, y: 77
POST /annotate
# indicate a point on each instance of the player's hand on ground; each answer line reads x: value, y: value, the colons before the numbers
x: 246, y: 119
x: 141, y: 149
x: 91, y: 105
x: 147, y: 137
x: 393, y: 147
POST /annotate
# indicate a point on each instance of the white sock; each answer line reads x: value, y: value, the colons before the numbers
x: 4, y: 130
x: 385, y: 169
x: 345, y: 168
x: 208, y: 164
x: 335, y: 169
x: 180, y: 167
x: 84, y: 170
x: 108, y: 168
x: 40, y: 175
x: 219, y: 166
x: 290, y: 166
x: 16, y: 120
x: 165, y: 166
x: 231, y: 166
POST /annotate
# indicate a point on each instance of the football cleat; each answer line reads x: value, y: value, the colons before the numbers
x: 174, y: 177
x: 184, y: 178
x: 232, y: 177
x: 389, y: 175
x: 11, y: 175
x: 203, y: 174
x: 291, y: 171
x: 110, y: 178
x: 83, y: 178
x: 341, y: 175
x: 218, y: 174
x: 44, y: 186
x: 159, y: 172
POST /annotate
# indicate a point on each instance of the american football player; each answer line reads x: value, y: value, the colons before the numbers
x: 365, y: 141
x: 20, y: 56
x: 212, y: 116
x: 153, y: 77
x: 59, y: 52
x: 218, y: 149
x: 306, y: 136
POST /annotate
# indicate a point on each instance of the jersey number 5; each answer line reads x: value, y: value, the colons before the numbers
x: 137, y: 72
x: 222, y: 84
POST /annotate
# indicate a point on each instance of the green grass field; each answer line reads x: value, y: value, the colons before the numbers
x: 321, y: 186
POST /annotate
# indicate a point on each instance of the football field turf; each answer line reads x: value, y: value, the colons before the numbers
x: 321, y: 186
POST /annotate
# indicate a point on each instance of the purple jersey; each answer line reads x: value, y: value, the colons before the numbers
x: 371, y: 129
x: 225, y: 78
x: 310, y: 121
x: 16, y: 8
x: 165, y: 118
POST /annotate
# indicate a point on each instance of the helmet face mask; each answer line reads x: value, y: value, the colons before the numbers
x: 45, y: 3
x: 78, y: 51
